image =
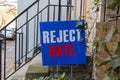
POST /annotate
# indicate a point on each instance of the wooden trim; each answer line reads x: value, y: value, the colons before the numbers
x: 75, y: 12
x: 85, y: 9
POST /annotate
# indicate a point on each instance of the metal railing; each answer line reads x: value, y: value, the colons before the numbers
x: 19, y: 59
x: 110, y: 15
x: 21, y: 53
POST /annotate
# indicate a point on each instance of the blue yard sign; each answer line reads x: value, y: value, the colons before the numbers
x: 62, y: 43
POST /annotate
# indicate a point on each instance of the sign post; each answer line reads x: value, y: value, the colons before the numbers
x: 62, y: 43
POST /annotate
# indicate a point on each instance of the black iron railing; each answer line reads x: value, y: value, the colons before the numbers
x: 1, y: 58
x: 26, y: 33
x: 110, y: 15
x: 18, y: 55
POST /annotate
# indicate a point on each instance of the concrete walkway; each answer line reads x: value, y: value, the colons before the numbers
x: 10, y: 52
x: 34, y: 66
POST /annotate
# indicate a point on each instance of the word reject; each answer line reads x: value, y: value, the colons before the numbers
x: 64, y: 36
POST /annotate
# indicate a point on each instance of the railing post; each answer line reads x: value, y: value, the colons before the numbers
x: 48, y: 10
x: 104, y: 19
x: 59, y: 18
x: 59, y: 11
x: 37, y: 32
x: 1, y: 39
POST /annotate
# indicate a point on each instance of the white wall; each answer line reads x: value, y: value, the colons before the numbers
x: 22, y: 5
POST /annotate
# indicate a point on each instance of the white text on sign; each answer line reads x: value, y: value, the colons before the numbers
x: 64, y: 36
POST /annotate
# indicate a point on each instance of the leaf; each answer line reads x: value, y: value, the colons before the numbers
x: 79, y: 23
x: 106, y: 49
x: 86, y: 25
x: 115, y: 62
x: 107, y: 78
x: 95, y: 43
x: 111, y: 76
x: 117, y: 51
x: 114, y: 4
x: 96, y: 1
x: 113, y: 31
x: 47, y: 78
x: 109, y: 70
x: 62, y: 76
x: 81, y: 39
x: 80, y: 30
x: 105, y: 62
x: 41, y: 78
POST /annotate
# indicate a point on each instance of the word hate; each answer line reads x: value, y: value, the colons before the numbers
x: 61, y: 50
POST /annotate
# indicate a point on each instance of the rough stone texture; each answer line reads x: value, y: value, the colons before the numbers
x: 103, y: 29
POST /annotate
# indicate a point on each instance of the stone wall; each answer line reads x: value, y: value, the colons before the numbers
x: 102, y: 29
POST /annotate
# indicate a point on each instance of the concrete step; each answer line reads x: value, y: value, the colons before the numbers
x: 33, y: 67
x: 18, y: 79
